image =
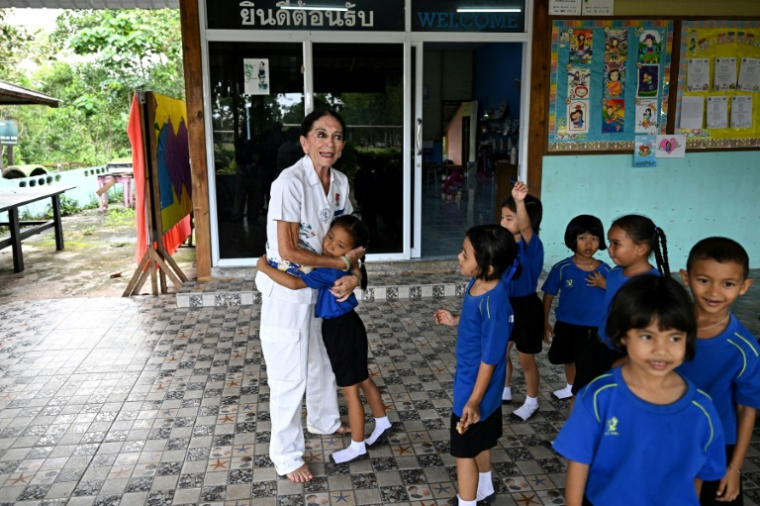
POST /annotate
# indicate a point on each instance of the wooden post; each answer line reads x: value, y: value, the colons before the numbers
x: 539, y: 96
x: 191, y: 55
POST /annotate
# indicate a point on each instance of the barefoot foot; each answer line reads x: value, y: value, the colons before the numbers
x: 300, y: 475
x: 343, y: 429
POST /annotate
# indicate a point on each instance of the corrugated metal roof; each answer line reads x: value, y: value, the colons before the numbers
x: 91, y: 4
x: 10, y: 94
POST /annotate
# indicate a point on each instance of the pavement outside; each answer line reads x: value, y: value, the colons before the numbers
x: 132, y: 401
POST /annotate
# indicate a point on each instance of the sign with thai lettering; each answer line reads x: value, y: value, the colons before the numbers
x: 8, y: 132
x: 359, y: 15
x: 501, y: 16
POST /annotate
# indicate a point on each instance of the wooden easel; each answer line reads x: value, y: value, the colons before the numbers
x: 156, y: 262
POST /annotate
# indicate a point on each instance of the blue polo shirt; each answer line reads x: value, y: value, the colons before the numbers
x: 323, y: 278
x: 727, y: 367
x: 615, y: 280
x: 642, y: 453
x: 482, y: 336
x: 579, y: 304
x: 531, y: 257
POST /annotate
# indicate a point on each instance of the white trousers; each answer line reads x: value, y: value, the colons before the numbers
x: 296, y: 360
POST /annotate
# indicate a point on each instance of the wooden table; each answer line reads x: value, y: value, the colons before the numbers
x: 13, y: 198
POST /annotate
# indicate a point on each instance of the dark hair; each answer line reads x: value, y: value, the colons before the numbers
x: 359, y: 234
x: 642, y: 230
x: 308, y: 122
x: 584, y: 224
x: 720, y: 249
x: 532, y: 206
x: 494, y: 247
x: 646, y: 298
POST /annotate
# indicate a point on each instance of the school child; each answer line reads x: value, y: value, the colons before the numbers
x: 581, y: 280
x: 521, y: 214
x: 344, y: 335
x: 489, y: 257
x: 726, y: 365
x: 632, y: 240
x: 641, y: 433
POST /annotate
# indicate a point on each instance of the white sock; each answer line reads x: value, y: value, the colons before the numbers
x: 531, y: 401
x: 357, y: 448
x: 528, y: 408
x: 380, y: 425
x: 474, y: 502
x: 506, y: 395
x: 485, y: 486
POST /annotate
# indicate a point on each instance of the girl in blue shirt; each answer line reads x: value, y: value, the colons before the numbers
x: 582, y: 302
x: 642, y: 434
x: 632, y: 240
x: 344, y: 334
x: 489, y: 257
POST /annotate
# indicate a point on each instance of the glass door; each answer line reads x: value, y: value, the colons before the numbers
x: 365, y: 84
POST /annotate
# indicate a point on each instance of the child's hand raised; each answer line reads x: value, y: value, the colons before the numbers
x: 444, y: 317
x: 596, y: 279
x: 519, y: 191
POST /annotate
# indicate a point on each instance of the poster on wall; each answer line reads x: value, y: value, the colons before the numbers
x: 646, y: 117
x: 256, y: 76
x: 749, y: 74
x: 565, y: 7
x: 717, y: 111
x: 644, y: 154
x: 598, y: 7
x: 725, y: 74
x: 698, y: 74
x: 741, y: 111
x: 613, y: 116
x: 581, y: 43
x: 648, y: 81
x: 577, y: 114
x: 671, y: 146
x: 615, y: 45
x: 614, y: 80
x: 650, y: 47
x: 578, y: 82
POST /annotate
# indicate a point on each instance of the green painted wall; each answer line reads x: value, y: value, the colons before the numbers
x: 702, y: 195
x: 717, y: 8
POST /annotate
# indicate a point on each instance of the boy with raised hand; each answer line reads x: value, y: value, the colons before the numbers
x: 727, y: 359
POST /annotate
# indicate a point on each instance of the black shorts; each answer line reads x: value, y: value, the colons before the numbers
x: 478, y: 437
x: 595, y: 360
x: 569, y: 342
x: 346, y: 342
x: 528, y: 331
x: 709, y: 488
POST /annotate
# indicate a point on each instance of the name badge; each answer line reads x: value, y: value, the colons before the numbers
x: 324, y: 214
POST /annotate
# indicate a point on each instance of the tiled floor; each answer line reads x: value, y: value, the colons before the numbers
x: 136, y: 401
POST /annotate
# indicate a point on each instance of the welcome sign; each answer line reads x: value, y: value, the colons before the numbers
x: 500, y: 16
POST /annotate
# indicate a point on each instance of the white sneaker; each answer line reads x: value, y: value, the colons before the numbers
x: 563, y: 393
x: 525, y: 411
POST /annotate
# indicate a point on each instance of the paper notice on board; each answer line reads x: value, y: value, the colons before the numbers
x: 598, y: 7
x: 717, y: 112
x: 725, y: 74
x: 565, y: 7
x: 256, y: 76
x: 692, y: 112
x: 749, y: 74
x: 698, y: 74
x: 741, y: 111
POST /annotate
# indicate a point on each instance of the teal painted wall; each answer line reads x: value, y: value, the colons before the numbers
x: 702, y: 195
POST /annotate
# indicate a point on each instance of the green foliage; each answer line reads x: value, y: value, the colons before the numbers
x: 93, y: 62
x: 120, y: 216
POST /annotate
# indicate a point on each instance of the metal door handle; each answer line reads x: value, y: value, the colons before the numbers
x: 419, y: 136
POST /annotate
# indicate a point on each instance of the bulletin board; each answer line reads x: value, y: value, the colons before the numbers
x: 719, y: 84
x: 610, y: 80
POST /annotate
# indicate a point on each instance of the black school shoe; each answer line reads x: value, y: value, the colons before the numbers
x: 355, y: 459
x: 454, y: 501
x: 382, y: 438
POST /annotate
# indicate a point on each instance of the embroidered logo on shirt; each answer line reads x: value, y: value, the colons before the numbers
x: 570, y: 283
x: 324, y: 214
x: 612, y: 424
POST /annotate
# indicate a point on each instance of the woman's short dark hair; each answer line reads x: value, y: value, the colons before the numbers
x: 645, y: 298
x: 308, y: 122
x: 494, y: 247
x: 532, y: 205
x: 584, y: 224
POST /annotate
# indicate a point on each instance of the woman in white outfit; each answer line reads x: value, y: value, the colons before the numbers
x: 304, y: 200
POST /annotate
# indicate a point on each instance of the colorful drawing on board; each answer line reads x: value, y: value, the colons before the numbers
x: 614, y: 80
x: 613, y: 116
x: 646, y: 117
x: 581, y: 42
x: 615, y: 45
x: 578, y: 80
x: 648, y: 81
x: 650, y: 47
x: 644, y: 154
x: 173, y: 157
x: 671, y: 146
x: 577, y: 117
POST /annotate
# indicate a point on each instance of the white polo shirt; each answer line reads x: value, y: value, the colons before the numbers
x: 297, y: 196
